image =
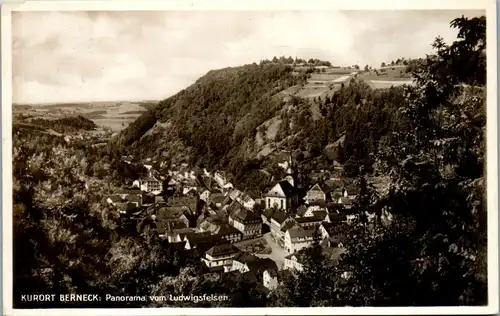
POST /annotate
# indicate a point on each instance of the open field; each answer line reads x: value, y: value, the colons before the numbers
x: 114, y: 115
x: 384, y: 84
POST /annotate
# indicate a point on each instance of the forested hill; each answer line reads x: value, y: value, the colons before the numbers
x: 217, y: 113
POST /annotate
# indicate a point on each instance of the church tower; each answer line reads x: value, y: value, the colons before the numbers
x: 291, y: 176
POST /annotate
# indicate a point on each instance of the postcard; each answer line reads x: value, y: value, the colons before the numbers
x: 249, y: 157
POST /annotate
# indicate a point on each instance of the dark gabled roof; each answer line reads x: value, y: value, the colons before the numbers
x: 345, y: 200
x: 331, y: 228
x: 254, y: 194
x: 259, y: 266
x: 169, y: 213
x: 336, y: 217
x: 195, y: 236
x: 301, y: 210
x: 267, y: 213
x: 321, y: 214
x: 301, y: 233
x: 205, y: 243
x: 238, y: 212
x: 288, y: 226
x: 279, y: 216
x: 245, y: 257
x: 235, y: 206
x: 227, y: 229
x: 332, y: 241
x: 129, y: 191
x: 309, y: 219
x: 115, y: 198
x: 183, y: 231
x: 217, y: 198
x: 287, y: 188
x: 222, y: 250
x: 227, y: 201
x: 133, y: 198
x: 351, y: 190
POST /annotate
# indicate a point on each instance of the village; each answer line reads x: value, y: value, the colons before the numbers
x: 253, y: 233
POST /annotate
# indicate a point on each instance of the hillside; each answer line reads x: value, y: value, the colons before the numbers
x: 215, y: 118
x: 233, y: 118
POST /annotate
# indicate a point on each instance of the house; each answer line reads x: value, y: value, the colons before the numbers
x: 211, y: 224
x: 245, y: 200
x: 165, y: 228
x: 190, y: 203
x: 283, y: 196
x: 255, y: 195
x: 278, y: 221
x: 159, y: 200
x: 216, y: 199
x: 125, y: 202
x: 345, y: 201
x: 229, y: 233
x: 294, y: 261
x: 301, y: 211
x: 246, y: 221
x: 172, y: 215
x: 335, y: 217
x: 187, y: 189
x: 333, y: 242
x: 264, y: 270
x: 220, y: 178
x: 151, y: 184
x: 329, y: 230
x: 270, y: 279
x: 202, y: 241
x: 114, y: 199
x: 321, y: 213
x: 204, y: 195
x: 308, y: 221
x: 241, y: 261
x: 220, y: 256
x: 298, y: 238
x: 311, y: 209
x: 315, y: 195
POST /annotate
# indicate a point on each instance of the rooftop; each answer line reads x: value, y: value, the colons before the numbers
x: 222, y: 250
x: 301, y: 233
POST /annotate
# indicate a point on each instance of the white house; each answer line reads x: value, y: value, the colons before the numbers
x: 220, y: 178
x: 270, y: 279
x: 297, y: 238
x: 293, y: 262
x: 220, y: 256
x: 205, y: 195
x: 315, y: 195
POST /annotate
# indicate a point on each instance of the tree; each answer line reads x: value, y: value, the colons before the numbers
x: 367, y: 68
x: 382, y: 65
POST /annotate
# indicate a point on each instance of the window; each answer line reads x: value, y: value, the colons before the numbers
x: 281, y: 203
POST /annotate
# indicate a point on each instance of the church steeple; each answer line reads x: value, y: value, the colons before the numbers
x: 290, y: 171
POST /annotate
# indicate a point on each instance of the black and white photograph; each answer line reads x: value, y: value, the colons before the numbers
x: 286, y: 158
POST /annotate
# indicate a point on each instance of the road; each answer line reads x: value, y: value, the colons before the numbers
x: 278, y: 254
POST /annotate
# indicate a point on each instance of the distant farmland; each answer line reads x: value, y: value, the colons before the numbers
x: 114, y: 115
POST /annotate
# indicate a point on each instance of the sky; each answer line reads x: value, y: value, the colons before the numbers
x: 83, y: 56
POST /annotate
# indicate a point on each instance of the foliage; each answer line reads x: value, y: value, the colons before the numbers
x: 433, y: 252
x: 66, y: 124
